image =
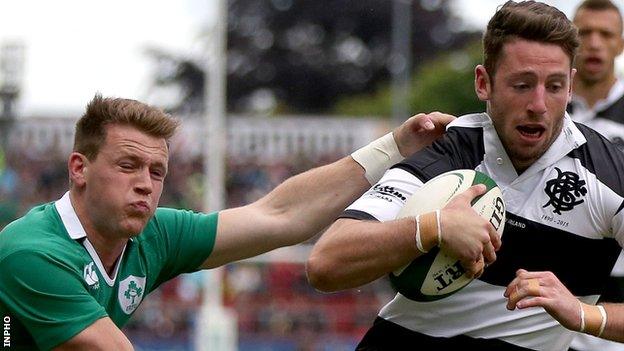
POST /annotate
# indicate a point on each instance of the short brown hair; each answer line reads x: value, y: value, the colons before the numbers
x: 527, y: 20
x: 100, y: 112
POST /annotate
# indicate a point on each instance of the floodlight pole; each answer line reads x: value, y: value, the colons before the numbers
x: 216, y: 327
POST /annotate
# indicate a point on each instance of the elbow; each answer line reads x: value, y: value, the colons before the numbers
x: 321, y: 275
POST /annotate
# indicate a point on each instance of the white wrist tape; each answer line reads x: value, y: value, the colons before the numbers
x: 593, y: 319
x: 419, y: 245
x: 377, y: 157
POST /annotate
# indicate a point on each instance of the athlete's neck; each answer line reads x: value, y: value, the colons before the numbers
x: 108, y: 248
x: 592, y: 92
x: 108, y: 252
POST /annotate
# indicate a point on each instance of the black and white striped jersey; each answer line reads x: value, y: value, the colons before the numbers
x: 564, y: 214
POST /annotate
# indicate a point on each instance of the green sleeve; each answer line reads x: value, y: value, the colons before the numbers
x: 186, y: 239
x: 47, y: 297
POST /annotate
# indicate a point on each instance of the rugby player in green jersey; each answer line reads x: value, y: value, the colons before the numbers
x: 73, y: 271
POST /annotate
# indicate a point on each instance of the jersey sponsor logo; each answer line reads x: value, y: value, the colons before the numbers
x: 90, y: 275
x: 565, y: 191
x: 130, y: 293
x: 387, y: 193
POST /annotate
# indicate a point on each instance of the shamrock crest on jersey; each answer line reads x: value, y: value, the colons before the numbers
x: 130, y: 293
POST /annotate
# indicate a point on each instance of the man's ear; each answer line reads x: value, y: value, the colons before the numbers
x: 77, y: 168
x: 483, y: 85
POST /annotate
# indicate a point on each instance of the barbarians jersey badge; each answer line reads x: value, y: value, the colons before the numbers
x: 565, y: 192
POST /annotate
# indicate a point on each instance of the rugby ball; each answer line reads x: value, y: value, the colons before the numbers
x: 436, y: 275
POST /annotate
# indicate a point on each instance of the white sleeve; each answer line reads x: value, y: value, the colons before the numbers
x: 386, y: 198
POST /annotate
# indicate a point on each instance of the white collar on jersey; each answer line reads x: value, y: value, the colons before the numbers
x: 76, y: 231
x: 496, y: 159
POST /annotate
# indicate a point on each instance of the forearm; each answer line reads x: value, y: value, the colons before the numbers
x: 295, y: 211
x: 614, y: 327
x: 307, y: 203
x: 352, y: 253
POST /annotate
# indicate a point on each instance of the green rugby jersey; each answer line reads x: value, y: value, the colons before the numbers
x: 53, y: 284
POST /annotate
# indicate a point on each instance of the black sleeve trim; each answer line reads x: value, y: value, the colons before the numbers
x: 602, y: 158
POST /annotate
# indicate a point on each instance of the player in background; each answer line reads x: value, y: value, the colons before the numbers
x: 598, y: 102
x: 563, y: 187
x: 74, y: 271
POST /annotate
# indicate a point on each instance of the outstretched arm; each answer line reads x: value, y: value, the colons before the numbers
x: 544, y: 289
x: 305, y: 204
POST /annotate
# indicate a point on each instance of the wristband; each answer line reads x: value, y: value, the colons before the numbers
x: 377, y: 157
x: 418, y: 238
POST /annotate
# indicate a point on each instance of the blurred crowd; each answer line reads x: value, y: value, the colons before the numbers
x: 273, y: 301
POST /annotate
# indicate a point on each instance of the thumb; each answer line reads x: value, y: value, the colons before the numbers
x: 472, y: 192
